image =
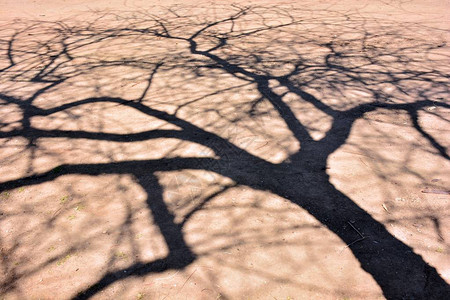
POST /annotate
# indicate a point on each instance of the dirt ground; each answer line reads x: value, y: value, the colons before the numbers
x: 224, y: 150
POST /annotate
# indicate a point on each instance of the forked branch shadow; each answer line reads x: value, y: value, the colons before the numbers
x: 208, y: 45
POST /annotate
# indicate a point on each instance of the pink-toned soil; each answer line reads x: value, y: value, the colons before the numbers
x: 224, y: 150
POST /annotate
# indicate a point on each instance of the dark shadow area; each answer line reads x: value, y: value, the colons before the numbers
x: 224, y: 45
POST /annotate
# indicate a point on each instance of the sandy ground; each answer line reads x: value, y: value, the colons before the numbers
x: 224, y: 150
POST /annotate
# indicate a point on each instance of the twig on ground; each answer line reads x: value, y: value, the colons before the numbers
x: 348, y: 246
x: 360, y: 239
x: 187, y: 280
x: 362, y: 236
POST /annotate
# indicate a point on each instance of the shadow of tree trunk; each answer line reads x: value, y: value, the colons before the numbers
x: 302, y: 178
x: 400, y: 273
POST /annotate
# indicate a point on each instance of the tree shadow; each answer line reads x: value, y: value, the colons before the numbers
x: 222, y: 45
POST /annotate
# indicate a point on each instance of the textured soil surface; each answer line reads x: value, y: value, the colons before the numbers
x: 224, y: 150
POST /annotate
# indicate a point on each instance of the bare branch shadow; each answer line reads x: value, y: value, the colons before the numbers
x: 215, y: 46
